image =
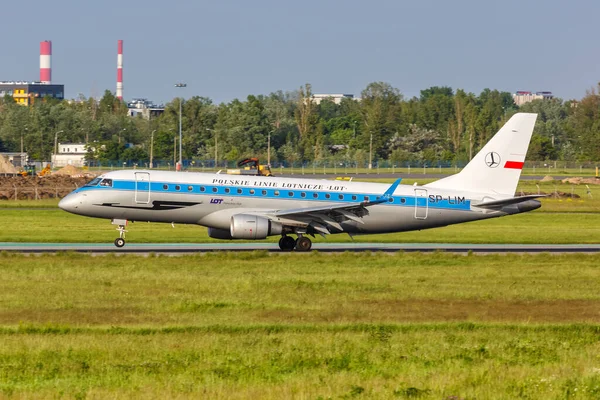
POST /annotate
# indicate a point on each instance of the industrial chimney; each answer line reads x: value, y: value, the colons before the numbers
x: 120, y: 70
x: 46, y: 62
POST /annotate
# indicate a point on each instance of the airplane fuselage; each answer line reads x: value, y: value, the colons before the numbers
x: 212, y: 199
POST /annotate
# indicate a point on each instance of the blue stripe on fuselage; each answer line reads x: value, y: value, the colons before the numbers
x: 432, y: 201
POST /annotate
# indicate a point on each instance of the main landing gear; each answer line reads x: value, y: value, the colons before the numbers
x: 288, y: 243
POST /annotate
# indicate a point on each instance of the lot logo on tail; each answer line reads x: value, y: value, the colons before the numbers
x: 492, y: 159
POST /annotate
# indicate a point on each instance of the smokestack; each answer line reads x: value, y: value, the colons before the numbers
x: 120, y: 70
x: 46, y: 62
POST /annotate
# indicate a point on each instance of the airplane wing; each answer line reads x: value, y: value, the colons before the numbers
x: 322, y: 218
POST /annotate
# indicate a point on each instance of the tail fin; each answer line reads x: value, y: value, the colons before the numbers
x: 497, y: 167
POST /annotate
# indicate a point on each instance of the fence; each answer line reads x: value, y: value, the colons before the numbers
x: 32, y: 192
x: 349, y: 167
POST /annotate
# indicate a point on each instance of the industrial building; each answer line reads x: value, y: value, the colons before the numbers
x: 27, y: 93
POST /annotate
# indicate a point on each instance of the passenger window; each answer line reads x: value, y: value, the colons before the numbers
x: 106, y: 182
x: 190, y: 188
x: 353, y: 197
x: 402, y: 200
x: 327, y: 196
x: 263, y: 192
x: 227, y: 190
x: 214, y: 190
x: 276, y: 193
x: 391, y: 200
x: 251, y: 191
x: 366, y: 198
x: 291, y: 194
x: 177, y: 187
x: 302, y: 194
x: 166, y: 187
x: 341, y: 197
x: 239, y: 191
x: 202, y: 188
x: 315, y: 195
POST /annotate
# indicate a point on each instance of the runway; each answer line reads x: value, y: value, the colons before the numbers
x: 176, y: 248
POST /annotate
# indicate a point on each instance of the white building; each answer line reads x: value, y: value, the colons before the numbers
x: 144, y: 108
x: 522, y: 97
x: 336, y: 98
x: 70, y: 154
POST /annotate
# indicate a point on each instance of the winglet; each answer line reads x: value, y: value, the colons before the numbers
x: 384, y: 198
x: 392, y: 188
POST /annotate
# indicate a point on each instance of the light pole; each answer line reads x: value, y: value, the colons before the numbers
x: 354, y: 122
x: 216, y: 145
x: 269, y: 148
x: 22, y: 154
x: 175, y: 152
x: 123, y: 130
x: 180, y: 85
x: 371, y: 152
x: 56, y: 145
x: 151, y: 147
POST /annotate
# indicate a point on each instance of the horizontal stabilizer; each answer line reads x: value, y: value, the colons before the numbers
x: 507, y: 202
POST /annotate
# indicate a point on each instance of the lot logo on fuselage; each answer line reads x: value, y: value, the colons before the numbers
x: 492, y: 159
x: 216, y: 201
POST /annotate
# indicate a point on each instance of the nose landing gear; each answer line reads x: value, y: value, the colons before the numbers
x: 287, y: 243
x: 122, y: 223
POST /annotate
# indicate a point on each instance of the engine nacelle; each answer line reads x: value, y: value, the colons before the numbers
x: 216, y: 233
x: 246, y: 226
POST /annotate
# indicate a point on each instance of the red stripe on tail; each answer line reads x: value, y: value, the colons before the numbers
x: 514, y: 164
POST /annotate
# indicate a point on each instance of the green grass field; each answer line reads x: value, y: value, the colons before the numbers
x: 309, y: 326
x: 258, y: 325
x: 560, y: 221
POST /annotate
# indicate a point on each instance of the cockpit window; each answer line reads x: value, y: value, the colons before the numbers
x: 93, y: 182
x: 106, y: 182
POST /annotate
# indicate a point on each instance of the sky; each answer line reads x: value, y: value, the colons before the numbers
x: 230, y: 49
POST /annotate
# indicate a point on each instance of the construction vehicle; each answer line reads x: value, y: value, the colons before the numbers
x: 46, y: 171
x: 30, y: 170
x: 27, y: 170
x: 251, y: 166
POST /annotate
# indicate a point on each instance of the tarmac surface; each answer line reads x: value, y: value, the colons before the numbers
x: 176, y: 248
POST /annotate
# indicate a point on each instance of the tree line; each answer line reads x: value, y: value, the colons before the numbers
x: 440, y: 124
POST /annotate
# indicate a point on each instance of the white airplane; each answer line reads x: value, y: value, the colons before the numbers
x: 254, y: 207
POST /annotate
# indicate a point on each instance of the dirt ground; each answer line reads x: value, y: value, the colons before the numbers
x: 33, y: 187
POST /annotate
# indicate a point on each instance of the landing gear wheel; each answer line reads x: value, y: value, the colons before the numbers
x: 303, y: 244
x: 287, y: 243
x: 120, y: 241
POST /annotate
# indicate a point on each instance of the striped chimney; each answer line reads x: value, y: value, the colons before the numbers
x: 46, y: 62
x: 120, y: 70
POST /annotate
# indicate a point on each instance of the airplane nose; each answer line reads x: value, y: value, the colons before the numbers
x: 70, y: 203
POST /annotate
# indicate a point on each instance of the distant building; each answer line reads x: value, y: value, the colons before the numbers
x: 145, y: 108
x: 16, y: 159
x: 70, y: 154
x: 522, y: 97
x: 27, y: 93
x: 336, y: 98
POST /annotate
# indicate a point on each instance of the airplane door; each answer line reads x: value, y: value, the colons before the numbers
x: 421, y: 204
x: 142, y: 187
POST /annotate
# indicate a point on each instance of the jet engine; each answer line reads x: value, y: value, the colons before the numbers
x: 246, y: 226
x: 217, y: 233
